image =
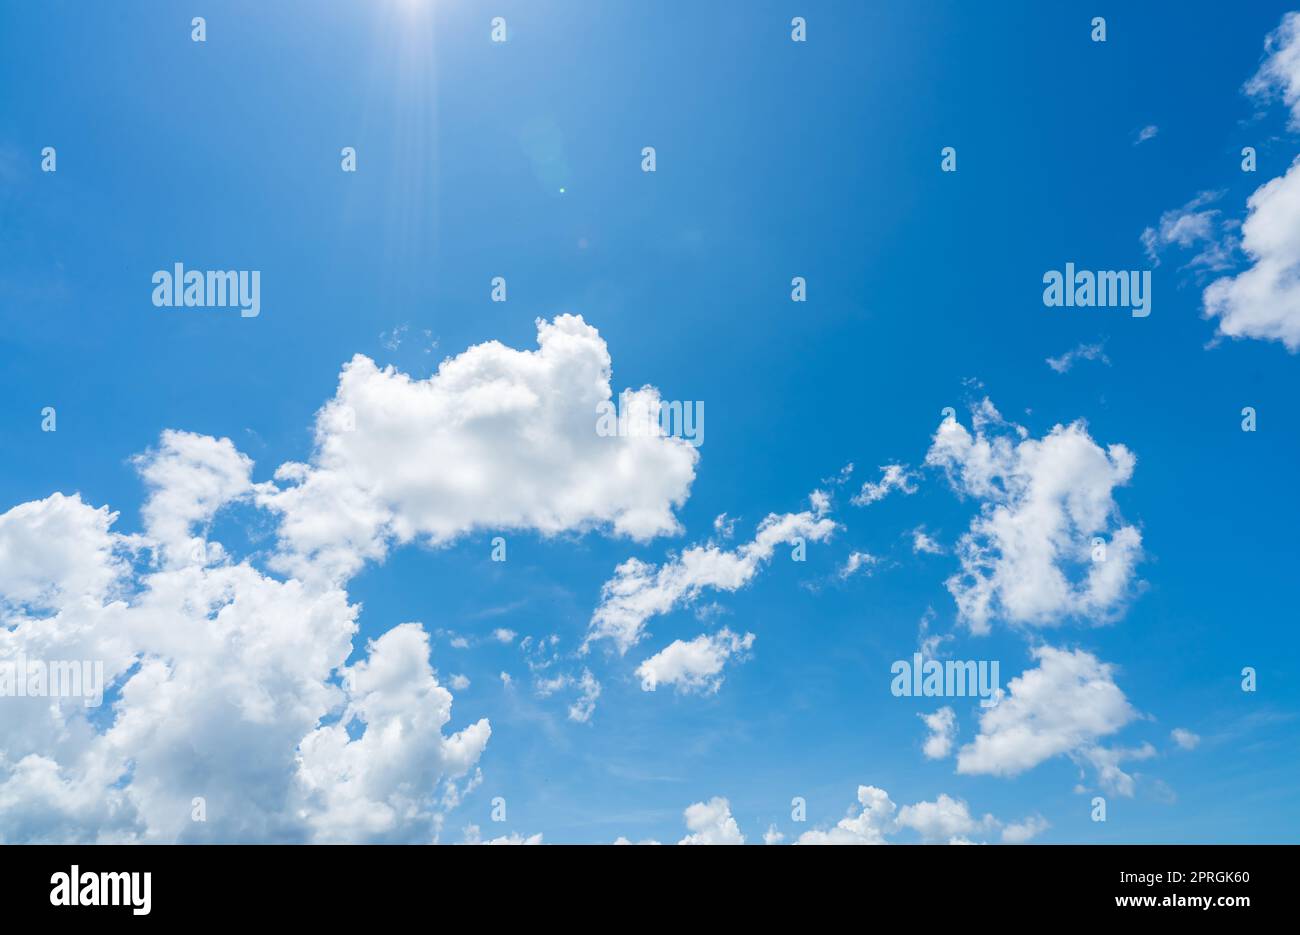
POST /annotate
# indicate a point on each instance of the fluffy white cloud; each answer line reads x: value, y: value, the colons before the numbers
x: 875, y: 818
x: 942, y: 725
x: 892, y: 477
x: 695, y: 666
x: 1030, y: 556
x: 711, y: 823
x: 1264, y: 300
x: 190, y: 477
x: 1185, y: 738
x: 945, y: 819
x: 224, y: 686
x: 377, y: 785
x: 57, y: 551
x: 868, y: 822
x: 1062, y: 706
x: 497, y: 439
x: 1020, y: 832
x: 639, y: 590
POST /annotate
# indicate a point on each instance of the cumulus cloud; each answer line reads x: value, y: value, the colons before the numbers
x: 640, y: 590
x: 942, y: 726
x: 190, y: 478
x: 874, y: 819
x: 372, y: 786
x: 238, y: 693
x: 892, y: 477
x: 711, y: 823
x: 694, y: 666
x: 57, y: 551
x: 1032, y: 555
x: 1064, y: 705
x: 1185, y: 738
x: 497, y: 439
x: 1021, y: 832
x: 1263, y: 301
x: 230, y: 687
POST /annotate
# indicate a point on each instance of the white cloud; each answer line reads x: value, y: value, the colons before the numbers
x: 923, y: 544
x: 711, y: 823
x: 227, y: 691
x: 695, y: 666
x: 1063, y: 706
x: 1146, y: 133
x: 1028, y: 557
x: 1279, y: 73
x: 1189, y: 226
x: 867, y: 823
x: 875, y: 818
x: 474, y: 835
x: 892, y: 477
x: 1023, y: 831
x: 460, y: 682
x: 1067, y: 360
x: 232, y: 686
x: 945, y: 819
x: 373, y: 786
x: 639, y: 590
x: 56, y: 551
x: 1106, y: 761
x: 588, y: 691
x: 1185, y: 738
x: 1264, y: 301
x: 858, y: 561
x: 497, y: 439
x: 942, y: 725
x: 772, y: 835
x: 502, y: 635
x: 190, y: 477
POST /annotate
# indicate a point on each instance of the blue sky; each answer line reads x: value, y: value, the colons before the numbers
x: 775, y: 159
